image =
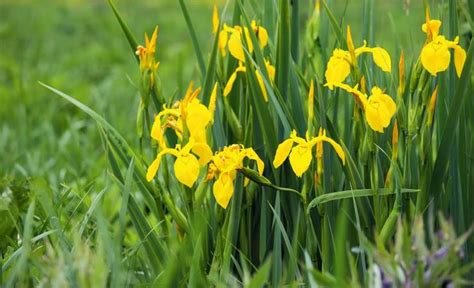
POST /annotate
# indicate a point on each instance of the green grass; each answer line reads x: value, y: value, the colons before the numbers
x: 76, y: 209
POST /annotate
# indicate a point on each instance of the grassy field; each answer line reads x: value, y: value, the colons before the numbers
x: 73, y: 215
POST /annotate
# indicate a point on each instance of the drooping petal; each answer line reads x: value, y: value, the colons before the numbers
x: 382, y: 59
x: 186, y: 169
x: 337, y: 148
x: 223, y: 189
x: 300, y: 159
x: 252, y: 155
x: 459, y: 59
x: 203, y: 151
x: 230, y: 84
x: 435, y: 57
x: 282, y: 152
x: 152, y: 169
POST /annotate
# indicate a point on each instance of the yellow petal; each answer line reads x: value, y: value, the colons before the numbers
x: 197, y: 118
x: 223, y: 189
x: 212, y: 102
x: 382, y: 59
x: 300, y: 159
x: 252, y: 155
x: 230, y: 83
x: 262, y: 36
x: 311, y: 102
x: 337, y: 70
x: 248, y: 39
x: 235, y: 47
x: 379, y: 111
x: 336, y: 147
x: 270, y: 70
x: 262, y: 85
x: 282, y: 152
x: 152, y: 169
x: 203, y: 151
x: 156, y: 132
x: 186, y: 169
x: 432, y: 29
x: 435, y: 57
x: 223, y: 37
x: 215, y: 20
x: 350, y: 43
x: 459, y: 59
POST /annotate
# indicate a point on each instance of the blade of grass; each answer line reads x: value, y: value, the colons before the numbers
x: 328, y: 197
x: 194, y: 39
x: 128, y: 33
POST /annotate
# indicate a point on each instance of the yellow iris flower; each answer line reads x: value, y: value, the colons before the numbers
x: 235, y: 44
x: 186, y: 166
x: 224, y: 168
x: 301, y: 154
x: 189, y: 113
x: 435, y: 55
x: 341, y: 61
x: 241, y: 68
x: 379, y: 108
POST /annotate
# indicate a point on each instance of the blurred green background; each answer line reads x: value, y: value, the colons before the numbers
x: 78, y: 47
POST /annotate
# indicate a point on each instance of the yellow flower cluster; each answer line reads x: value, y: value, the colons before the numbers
x: 341, y: 62
x: 190, y: 116
x: 190, y: 119
x: 188, y: 113
x: 379, y: 108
